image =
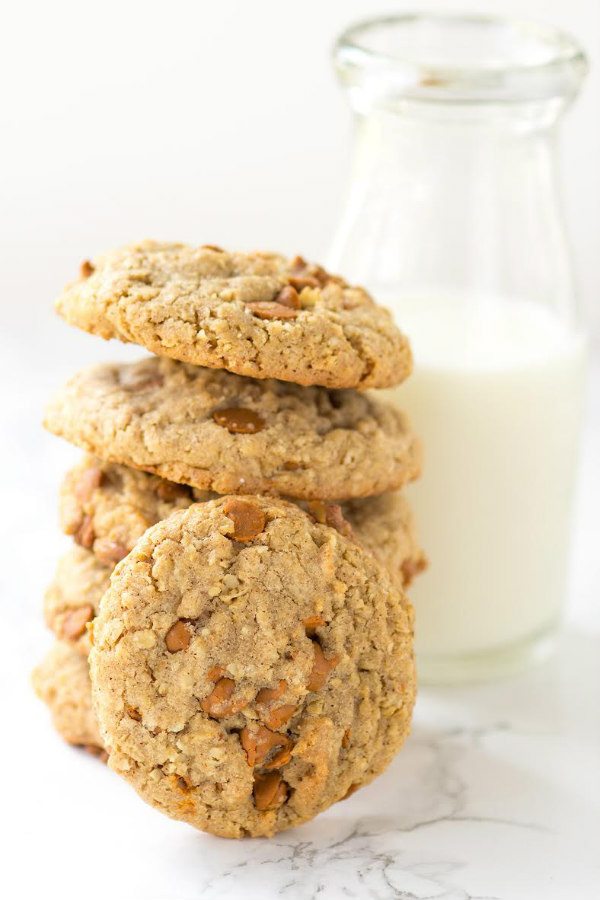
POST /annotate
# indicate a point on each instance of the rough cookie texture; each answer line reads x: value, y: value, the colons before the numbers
x: 251, y: 666
x: 72, y: 599
x: 218, y: 431
x: 256, y: 314
x: 108, y: 507
x: 62, y: 681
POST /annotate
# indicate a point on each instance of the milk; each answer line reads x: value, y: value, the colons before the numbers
x: 496, y: 396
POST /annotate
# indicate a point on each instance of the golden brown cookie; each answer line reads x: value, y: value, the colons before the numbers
x: 72, y: 599
x: 251, y: 666
x: 218, y: 431
x: 255, y: 314
x: 107, y: 508
x: 62, y: 681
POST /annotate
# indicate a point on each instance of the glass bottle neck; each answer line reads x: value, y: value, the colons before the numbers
x: 462, y: 200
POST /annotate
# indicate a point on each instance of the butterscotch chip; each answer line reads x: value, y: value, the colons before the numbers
x: 87, y: 481
x: 253, y: 695
x: 269, y: 790
x: 258, y: 743
x: 74, y: 622
x: 84, y: 536
x: 320, y: 669
x: 358, y: 448
x: 288, y: 296
x: 109, y: 552
x: 299, y: 282
x: 219, y: 703
x: 268, y: 695
x: 213, y: 247
x: 86, y: 269
x: 62, y: 681
x: 178, y: 637
x: 238, y: 420
x: 272, y: 310
x: 73, y: 598
x: 278, y: 716
x: 248, y: 519
x: 311, y: 623
x: 213, y: 308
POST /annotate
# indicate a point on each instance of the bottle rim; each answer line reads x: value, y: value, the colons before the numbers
x: 468, y: 58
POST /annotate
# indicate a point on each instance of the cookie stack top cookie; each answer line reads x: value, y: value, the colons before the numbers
x: 255, y: 314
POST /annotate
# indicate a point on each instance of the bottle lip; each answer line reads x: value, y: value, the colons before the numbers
x: 467, y: 58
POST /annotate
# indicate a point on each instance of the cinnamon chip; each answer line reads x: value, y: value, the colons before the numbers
x: 86, y: 269
x: 248, y: 519
x: 270, y: 791
x: 258, y: 742
x: 330, y: 514
x: 321, y: 668
x: 238, y: 420
x: 267, y: 695
x: 311, y: 623
x: 88, y: 481
x: 275, y: 718
x: 412, y: 567
x: 303, y: 281
x: 218, y: 703
x: 288, y: 296
x: 270, y: 309
x: 178, y: 637
x: 73, y: 624
x: 110, y: 552
x: 84, y: 536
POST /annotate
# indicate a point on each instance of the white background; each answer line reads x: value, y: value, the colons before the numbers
x: 213, y: 121
x: 221, y: 122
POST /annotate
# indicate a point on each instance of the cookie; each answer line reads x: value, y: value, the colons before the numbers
x: 72, y: 600
x: 251, y: 666
x: 217, y: 431
x: 107, y: 508
x: 255, y: 314
x: 62, y: 681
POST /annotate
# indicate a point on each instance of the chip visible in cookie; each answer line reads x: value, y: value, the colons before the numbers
x: 176, y: 420
x: 268, y: 677
x: 256, y: 314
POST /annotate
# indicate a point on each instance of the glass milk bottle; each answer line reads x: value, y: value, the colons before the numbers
x: 454, y: 221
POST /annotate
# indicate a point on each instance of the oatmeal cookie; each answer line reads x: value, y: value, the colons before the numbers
x: 72, y: 599
x: 251, y: 666
x: 107, y: 508
x: 62, y: 681
x: 217, y: 431
x: 256, y: 314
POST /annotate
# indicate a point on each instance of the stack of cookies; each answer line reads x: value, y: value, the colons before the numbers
x: 233, y: 632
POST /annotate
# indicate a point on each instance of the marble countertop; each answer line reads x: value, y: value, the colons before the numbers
x: 496, y: 794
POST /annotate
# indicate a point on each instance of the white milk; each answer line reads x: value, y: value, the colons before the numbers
x: 496, y: 397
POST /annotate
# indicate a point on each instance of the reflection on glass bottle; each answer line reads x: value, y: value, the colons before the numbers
x: 453, y: 220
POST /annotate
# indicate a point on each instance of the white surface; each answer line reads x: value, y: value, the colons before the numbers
x: 496, y: 396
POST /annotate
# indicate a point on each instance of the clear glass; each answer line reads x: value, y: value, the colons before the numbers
x: 453, y: 219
